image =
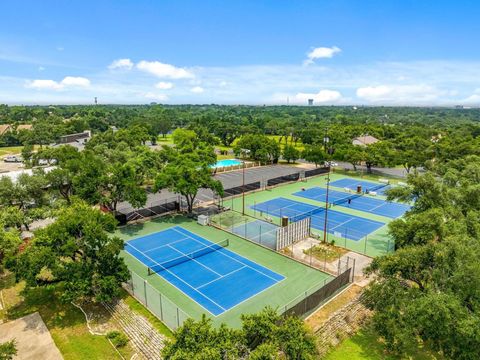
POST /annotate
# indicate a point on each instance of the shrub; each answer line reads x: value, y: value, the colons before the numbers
x: 117, y: 338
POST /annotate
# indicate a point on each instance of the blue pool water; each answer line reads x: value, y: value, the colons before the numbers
x: 226, y: 162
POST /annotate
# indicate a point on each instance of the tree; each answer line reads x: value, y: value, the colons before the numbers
x: 314, y: 154
x: 9, y: 242
x: 200, y: 340
x: 8, y: 350
x: 259, y: 147
x: 352, y: 154
x: 379, y: 154
x: 122, y: 184
x: 290, y: 153
x: 78, y: 253
x: 187, y: 168
x: 264, y: 335
x: 427, y: 292
x: 412, y: 152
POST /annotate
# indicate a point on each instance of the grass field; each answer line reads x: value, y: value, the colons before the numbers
x: 366, y: 345
x: 298, y: 277
x: 67, y: 324
x: 375, y: 243
x: 11, y: 150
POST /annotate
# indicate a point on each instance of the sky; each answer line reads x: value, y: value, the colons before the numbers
x: 337, y: 52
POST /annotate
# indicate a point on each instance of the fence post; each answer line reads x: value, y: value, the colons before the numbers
x: 145, y: 291
x: 178, y: 319
x: 161, y: 306
x: 260, y: 235
x: 353, y: 270
x: 365, y: 249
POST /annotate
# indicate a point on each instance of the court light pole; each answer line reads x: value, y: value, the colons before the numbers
x: 244, y: 152
x: 325, y: 143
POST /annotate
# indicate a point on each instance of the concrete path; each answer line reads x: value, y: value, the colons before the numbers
x: 32, y: 338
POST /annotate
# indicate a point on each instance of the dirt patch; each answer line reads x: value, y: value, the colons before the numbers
x: 318, y: 318
x: 32, y: 338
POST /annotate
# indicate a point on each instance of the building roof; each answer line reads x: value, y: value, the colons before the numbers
x: 365, y: 140
x: 4, y: 128
x: 24, y: 127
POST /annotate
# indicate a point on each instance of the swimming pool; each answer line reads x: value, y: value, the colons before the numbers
x: 226, y: 163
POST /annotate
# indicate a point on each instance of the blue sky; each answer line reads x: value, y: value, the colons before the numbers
x: 240, y: 52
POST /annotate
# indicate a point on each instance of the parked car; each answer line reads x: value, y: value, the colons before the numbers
x: 331, y: 163
x: 43, y: 162
x: 13, y: 158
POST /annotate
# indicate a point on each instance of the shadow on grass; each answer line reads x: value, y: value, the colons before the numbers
x: 46, y: 300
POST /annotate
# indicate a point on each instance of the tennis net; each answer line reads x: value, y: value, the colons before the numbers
x: 377, y: 187
x: 306, y: 214
x: 346, y: 198
x: 187, y: 257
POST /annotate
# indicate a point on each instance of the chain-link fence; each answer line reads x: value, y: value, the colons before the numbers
x: 255, y: 230
x: 317, y: 295
x: 151, y: 209
x: 161, y: 306
x: 371, y: 243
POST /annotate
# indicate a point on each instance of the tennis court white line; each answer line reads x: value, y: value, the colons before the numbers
x: 158, y: 247
x: 238, y: 260
x: 183, y: 281
x: 221, y: 277
x: 192, y: 238
x: 193, y: 259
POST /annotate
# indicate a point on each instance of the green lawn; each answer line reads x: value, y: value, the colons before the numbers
x: 65, y: 322
x: 365, y: 345
x: 10, y: 150
x: 298, y: 146
x: 167, y: 140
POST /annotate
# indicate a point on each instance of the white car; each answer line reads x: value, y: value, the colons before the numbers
x: 13, y: 159
x: 330, y: 163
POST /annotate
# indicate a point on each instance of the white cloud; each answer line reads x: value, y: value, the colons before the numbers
x: 164, y: 70
x: 157, y: 97
x: 162, y: 85
x: 41, y: 68
x: 322, y: 97
x: 68, y: 81
x: 44, y: 84
x: 321, y: 53
x: 399, y: 94
x: 75, y: 81
x: 473, y: 99
x: 197, y: 90
x: 125, y: 64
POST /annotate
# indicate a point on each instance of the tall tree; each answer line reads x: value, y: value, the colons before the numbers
x: 188, y: 167
x: 78, y: 252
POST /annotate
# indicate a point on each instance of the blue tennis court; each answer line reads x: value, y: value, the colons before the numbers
x: 352, y: 184
x: 363, y: 203
x: 339, y: 224
x: 211, y: 275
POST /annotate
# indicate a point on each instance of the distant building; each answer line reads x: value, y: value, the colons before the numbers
x: 24, y: 127
x: 459, y: 107
x: 4, y: 128
x: 310, y: 102
x: 364, y: 140
x: 76, y: 140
